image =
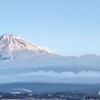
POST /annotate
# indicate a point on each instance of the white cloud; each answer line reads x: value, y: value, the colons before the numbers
x: 53, y: 77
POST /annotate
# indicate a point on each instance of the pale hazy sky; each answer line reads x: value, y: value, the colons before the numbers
x: 67, y: 27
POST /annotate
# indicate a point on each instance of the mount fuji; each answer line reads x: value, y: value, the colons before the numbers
x: 16, y: 49
x: 13, y: 46
x: 21, y: 61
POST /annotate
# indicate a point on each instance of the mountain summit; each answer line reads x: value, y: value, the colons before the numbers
x: 13, y: 46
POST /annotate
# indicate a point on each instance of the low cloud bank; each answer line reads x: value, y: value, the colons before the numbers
x: 83, y: 77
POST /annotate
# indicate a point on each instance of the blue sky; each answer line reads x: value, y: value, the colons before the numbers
x: 67, y: 27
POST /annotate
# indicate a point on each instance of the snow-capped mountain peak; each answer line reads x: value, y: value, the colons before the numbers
x: 13, y: 46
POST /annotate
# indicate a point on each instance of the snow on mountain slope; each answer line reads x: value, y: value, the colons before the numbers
x: 13, y: 46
